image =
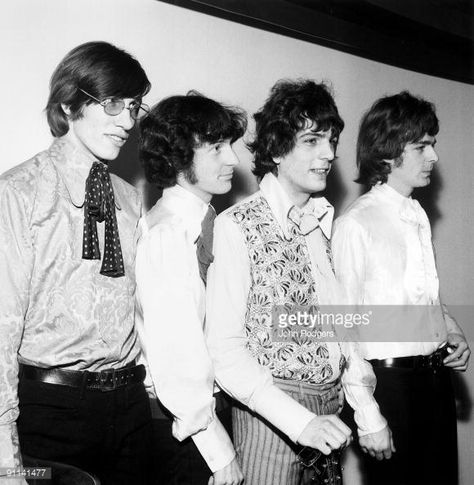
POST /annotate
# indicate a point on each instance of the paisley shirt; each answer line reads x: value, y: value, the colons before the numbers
x: 281, y: 275
x: 56, y: 309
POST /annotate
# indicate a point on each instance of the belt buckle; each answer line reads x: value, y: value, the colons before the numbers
x: 107, y: 380
x: 437, y: 359
x: 434, y: 360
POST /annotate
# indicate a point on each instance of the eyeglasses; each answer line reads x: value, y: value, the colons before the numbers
x: 114, y: 106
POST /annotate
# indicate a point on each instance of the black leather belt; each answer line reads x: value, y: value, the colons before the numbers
x: 433, y: 361
x: 106, y: 380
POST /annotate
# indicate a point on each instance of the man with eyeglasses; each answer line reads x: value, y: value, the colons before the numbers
x: 69, y: 381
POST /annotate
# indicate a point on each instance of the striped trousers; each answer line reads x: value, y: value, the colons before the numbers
x: 267, y: 456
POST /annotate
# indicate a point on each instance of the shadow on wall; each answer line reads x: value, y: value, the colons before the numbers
x: 428, y: 198
x: 463, y: 398
x: 240, y: 189
x: 128, y: 166
x: 335, y: 191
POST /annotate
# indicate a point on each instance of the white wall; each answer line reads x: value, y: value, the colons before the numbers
x: 181, y: 50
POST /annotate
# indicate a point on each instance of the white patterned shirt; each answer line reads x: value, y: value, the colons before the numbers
x: 56, y: 309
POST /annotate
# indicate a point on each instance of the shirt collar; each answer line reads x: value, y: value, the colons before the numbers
x: 188, y: 206
x: 390, y: 194
x: 73, y: 166
x: 409, y: 209
x: 280, y: 204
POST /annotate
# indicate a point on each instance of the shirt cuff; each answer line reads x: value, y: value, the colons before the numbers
x: 215, y: 445
x: 288, y: 415
x: 369, y: 419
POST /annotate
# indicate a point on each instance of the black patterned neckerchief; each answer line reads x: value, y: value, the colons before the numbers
x: 99, y: 206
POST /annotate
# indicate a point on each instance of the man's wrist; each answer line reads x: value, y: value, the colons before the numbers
x: 215, y: 446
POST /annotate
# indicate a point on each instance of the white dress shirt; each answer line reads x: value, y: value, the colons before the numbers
x: 237, y: 371
x: 171, y: 312
x: 383, y: 255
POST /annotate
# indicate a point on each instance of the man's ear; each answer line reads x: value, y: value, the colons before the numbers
x: 277, y: 160
x: 66, y: 108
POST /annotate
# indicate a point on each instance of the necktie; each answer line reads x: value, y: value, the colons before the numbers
x: 204, y: 243
x: 307, y: 219
x: 99, y: 206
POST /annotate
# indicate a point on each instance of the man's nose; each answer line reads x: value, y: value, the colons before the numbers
x: 432, y: 155
x: 232, y: 158
x: 327, y: 150
x: 125, y: 120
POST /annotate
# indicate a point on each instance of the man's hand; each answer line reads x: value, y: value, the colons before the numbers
x: 325, y: 433
x: 458, y: 360
x: 229, y: 475
x: 378, y: 445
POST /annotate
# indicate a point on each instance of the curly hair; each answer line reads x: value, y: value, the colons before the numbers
x: 391, y: 123
x: 288, y: 109
x: 99, y: 68
x: 179, y: 124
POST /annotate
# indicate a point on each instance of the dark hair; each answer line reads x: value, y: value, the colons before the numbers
x: 99, y: 68
x: 179, y: 124
x: 291, y: 104
x: 391, y: 123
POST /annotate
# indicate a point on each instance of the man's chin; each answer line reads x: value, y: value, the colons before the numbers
x: 223, y: 189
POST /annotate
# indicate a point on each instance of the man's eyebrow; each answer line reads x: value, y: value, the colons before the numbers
x: 310, y: 131
x: 425, y: 142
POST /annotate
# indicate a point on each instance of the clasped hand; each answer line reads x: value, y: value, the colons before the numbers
x: 325, y: 433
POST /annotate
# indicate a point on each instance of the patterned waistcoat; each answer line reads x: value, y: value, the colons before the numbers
x: 281, y: 275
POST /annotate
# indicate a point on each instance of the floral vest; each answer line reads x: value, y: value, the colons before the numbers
x: 280, y: 268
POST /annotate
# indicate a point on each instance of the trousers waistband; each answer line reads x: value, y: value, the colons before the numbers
x: 105, y: 380
x: 432, y: 361
x: 305, y: 387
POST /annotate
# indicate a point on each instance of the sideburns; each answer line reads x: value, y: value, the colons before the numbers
x: 398, y: 162
x: 190, y: 175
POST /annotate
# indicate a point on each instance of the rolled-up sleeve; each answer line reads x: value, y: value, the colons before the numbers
x: 359, y: 381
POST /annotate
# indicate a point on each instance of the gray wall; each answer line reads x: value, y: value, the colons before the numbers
x: 181, y: 50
